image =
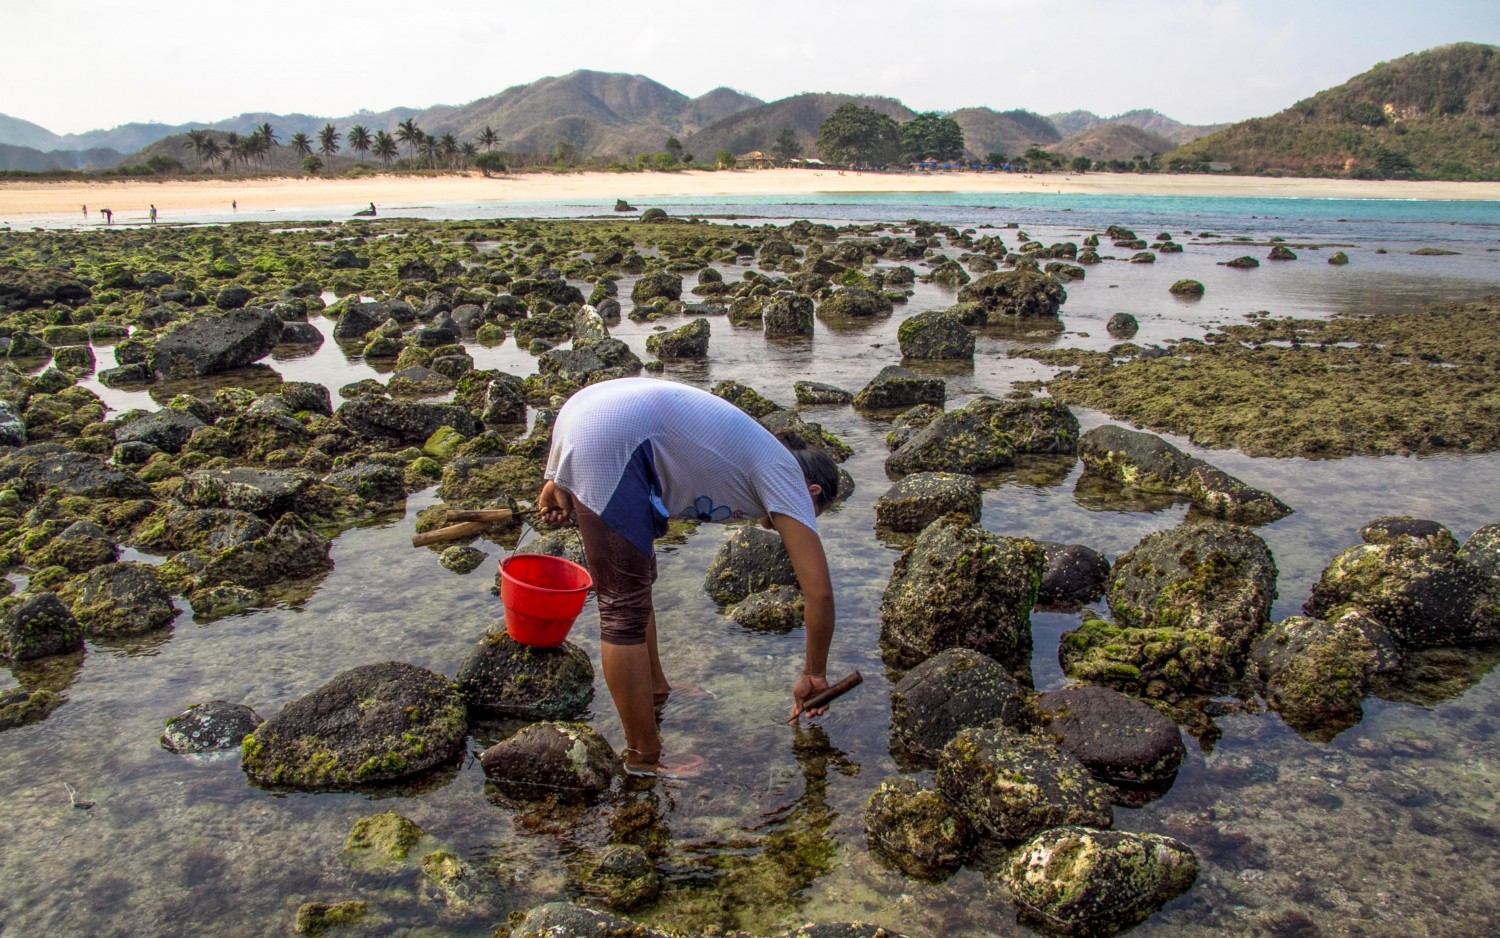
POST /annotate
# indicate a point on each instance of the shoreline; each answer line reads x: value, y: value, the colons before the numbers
x: 22, y: 200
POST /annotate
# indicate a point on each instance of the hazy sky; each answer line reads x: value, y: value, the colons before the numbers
x: 75, y: 65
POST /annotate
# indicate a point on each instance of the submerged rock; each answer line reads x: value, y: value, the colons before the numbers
x: 566, y: 920
x: 320, y: 918
x: 624, y: 878
x: 372, y: 724
x: 1012, y: 786
x: 916, y: 830
x: 551, y: 760
x: 209, y: 727
x: 503, y: 677
x: 689, y: 341
x: 778, y: 609
x: 1424, y: 594
x: 1316, y: 674
x: 959, y: 586
x: 1147, y: 462
x: 751, y: 560
x: 1092, y: 883
x: 382, y: 841
x: 953, y: 690
x: 1121, y: 740
x: 23, y: 707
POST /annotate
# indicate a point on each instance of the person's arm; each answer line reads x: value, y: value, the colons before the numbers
x: 805, y: 549
x: 554, y: 504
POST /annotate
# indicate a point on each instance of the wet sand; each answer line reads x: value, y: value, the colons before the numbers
x: 20, y: 200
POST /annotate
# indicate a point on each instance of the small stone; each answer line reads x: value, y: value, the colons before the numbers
x: 461, y: 558
x: 210, y: 727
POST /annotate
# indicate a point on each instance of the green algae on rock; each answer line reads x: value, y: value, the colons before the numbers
x: 320, y: 918
x: 501, y: 676
x: 1147, y: 462
x: 960, y: 586
x: 1317, y: 673
x: 551, y: 760
x: 1011, y: 786
x: 916, y: 829
x: 382, y: 841
x: 922, y: 497
x: 987, y: 434
x: 372, y: 724
x: 1086, y: 883
x: 1389, y: 383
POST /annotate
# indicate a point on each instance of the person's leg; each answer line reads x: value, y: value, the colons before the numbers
x: 627, y: 651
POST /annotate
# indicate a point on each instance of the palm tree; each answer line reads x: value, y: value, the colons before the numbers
x: 410, y: 134
x: 468, y: 149
x: 359, y: 139
x: 428, y: 147
x: 301, y: 144
x: 195, y: 143
x: 265, y: 133
x: 488, y: 138
x: 234, y: 148
x: 328, y: 140
x: 212, y: 149
x: 385, y: 147
x: 256, y: 147
x: 448, y: 147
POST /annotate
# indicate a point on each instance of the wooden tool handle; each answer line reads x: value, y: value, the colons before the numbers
x: 834, y: 691
x: 451, y: 533
x: 487, y: 515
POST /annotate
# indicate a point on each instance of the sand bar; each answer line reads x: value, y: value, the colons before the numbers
x: 20, y: 199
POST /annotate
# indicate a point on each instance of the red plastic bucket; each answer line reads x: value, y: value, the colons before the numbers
x: 542, y: 596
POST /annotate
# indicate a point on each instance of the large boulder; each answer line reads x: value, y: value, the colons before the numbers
x: 1076, y: 881
x: 290, y: 550
x: 935, y: 335
x: 37, y: 625
x: 264, y: 492
x: 959, y: 586
x: 1121, y: 740
x: 79, y: 547
x: 551, y: 760
x: 211, y: 344
x: 916, y: 829
x: 1187, y: 602
x: 659, y: 285
x: 1146, y: 462
x: 952, y: 691
x: 48, y: 467
x: 503, y: 677
x: 1011, y: 786
x: 1425, y: 593
x: 689, y: 341
x: 753, y: 559
x: 371, y: 724
x: 1015, y: 294
x: 987, y: 434
x: 404, y: 422
x: 900, y: 387
x: 1316, y: 674
x: 120, y: 599
x: 921, y: 498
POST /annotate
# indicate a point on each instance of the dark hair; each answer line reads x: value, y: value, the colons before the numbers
x: 817, y: 468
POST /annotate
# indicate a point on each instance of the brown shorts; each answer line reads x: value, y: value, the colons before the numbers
x: 622, y: 579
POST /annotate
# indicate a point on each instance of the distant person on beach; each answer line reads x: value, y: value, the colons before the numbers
x: 235, y: 205
x: 153, y: 214
x: 85, y: 211
x: 109, y: 217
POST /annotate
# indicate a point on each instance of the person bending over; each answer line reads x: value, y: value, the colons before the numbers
x: 628, y: 455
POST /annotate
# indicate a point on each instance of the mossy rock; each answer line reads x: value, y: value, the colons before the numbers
x: 373, y: 724
x: 567, y: 761
x: 917, y: 830
x: 1316, y: 673
x: 320, y: 918
x: 382, y: 841
x: 503, y: 677
x: 1188, y: 288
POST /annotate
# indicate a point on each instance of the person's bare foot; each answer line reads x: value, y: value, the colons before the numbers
x: 683, y: 692
x: 642, y: 765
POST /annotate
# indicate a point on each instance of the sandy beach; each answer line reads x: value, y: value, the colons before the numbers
x: 23, y: 200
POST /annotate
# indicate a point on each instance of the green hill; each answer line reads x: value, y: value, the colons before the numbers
x: 756, y: 128
x: 988, y: 131
x: 1429, y: 115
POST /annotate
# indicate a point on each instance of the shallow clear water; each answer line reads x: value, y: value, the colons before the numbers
x: 1389, y: 830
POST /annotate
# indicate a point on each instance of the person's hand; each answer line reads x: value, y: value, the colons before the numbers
x: 807, y: 686
x: 554, y: 505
